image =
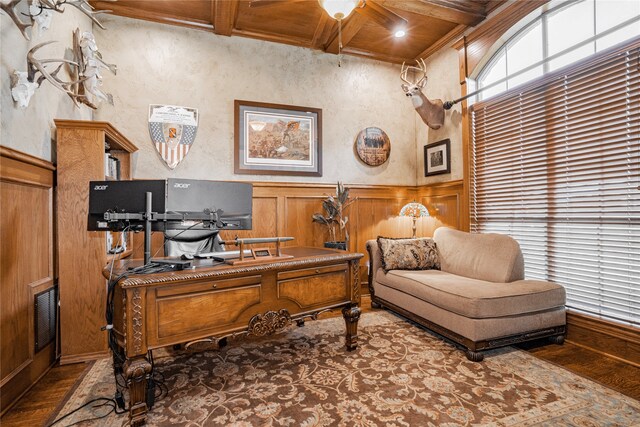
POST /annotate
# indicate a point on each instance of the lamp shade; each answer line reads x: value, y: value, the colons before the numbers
x: 338, y: 9
x: 414, y: 210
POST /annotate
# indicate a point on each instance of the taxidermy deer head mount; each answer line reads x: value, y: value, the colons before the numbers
x: 431, y: 112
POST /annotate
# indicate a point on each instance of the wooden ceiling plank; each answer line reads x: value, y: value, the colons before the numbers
x: 455, y: 11
x: 350, y: 28
x: 383, y: 16
x: 442, y: 42
x: 224, y: 12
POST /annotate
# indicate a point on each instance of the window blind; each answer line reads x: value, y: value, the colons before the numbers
x: 556, y: 165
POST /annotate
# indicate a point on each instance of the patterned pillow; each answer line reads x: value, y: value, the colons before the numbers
x: 408, y: 254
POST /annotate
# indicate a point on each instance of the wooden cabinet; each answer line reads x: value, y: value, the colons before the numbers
x: 82, y: 254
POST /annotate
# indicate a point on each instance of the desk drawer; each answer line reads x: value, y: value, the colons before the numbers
x: 292, y: 274
x: 172, y: 289
x: 315, y: 286
x: 188, y: 313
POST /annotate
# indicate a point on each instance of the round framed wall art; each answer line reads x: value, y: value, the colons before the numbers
x: 373, y: 146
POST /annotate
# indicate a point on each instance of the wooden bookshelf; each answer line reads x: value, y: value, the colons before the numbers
x: 82, y: 254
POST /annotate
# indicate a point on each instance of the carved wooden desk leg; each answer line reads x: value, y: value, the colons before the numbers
x: 351, y: 316
x: 136, y: 373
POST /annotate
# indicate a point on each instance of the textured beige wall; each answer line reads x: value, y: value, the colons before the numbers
x: 31, y: 130
x: 161, y: 64
x: 444, y: 83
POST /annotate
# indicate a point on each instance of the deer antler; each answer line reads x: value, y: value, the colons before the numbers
x: 10, y: 9
x: 35, y: 65
x: 82, y: 5
x: 403, y: 74
x: 422, y: 67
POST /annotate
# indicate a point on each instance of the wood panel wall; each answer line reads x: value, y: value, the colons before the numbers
x: 283, y: 209
x: 26, y: 268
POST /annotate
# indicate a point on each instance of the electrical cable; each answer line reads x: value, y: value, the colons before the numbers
x: 105, y: 402
x: 118, y: 359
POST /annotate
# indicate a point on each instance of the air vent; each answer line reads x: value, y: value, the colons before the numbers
x: 45, y: 318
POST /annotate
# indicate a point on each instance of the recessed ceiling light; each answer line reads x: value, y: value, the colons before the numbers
x: 400, y: 33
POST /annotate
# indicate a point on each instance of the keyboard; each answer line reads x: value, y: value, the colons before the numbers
x: 223, y: 254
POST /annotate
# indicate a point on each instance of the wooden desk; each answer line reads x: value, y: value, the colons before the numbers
x: 162, y: 309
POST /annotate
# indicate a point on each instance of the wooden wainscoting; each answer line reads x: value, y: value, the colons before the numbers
x: 285, y: 209
x: 26, y: 268
x: 611, y: 339
x: 444, y: 202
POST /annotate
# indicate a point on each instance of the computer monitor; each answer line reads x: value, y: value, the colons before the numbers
x: 235, y: 199
x: 173, y: 200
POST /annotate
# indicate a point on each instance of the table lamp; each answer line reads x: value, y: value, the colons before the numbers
x: 414, y: 210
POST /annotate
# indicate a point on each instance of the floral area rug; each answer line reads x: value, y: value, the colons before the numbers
x: 400, y: 375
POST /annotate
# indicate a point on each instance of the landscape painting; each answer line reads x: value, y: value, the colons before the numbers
x: 277, y: 139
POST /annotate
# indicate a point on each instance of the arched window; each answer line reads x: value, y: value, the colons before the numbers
x: 555, y: 162
x: 565, y: 33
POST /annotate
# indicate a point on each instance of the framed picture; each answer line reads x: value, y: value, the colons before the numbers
x: 437, y: 158
x: 373, y: 146
x: 275, y: 139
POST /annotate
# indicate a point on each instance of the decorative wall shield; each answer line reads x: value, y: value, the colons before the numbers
x: 173, y: 131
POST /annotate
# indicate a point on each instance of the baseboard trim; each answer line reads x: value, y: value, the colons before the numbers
x: 87, y: 357
x: 620, y: 342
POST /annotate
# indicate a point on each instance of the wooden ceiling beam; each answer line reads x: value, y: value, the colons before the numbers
x: 269, y: 3
x: 164, y: 18
x: 442, y: 42
x: 350, y: 27
x: 374, y: 55
x: 322, y: 32
x: 271, y: 37
x: 224, y: 12
x: 455, y: 11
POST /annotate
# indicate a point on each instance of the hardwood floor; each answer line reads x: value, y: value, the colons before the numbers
x: 610, y: 372
x: 35, y: 408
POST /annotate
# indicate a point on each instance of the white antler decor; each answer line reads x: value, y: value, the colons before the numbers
x: 25, y: 82
x: 41, y: 15
x: 90, y: 62
x: 82, y: 5
x: 10, y: 9
x: 40, y: 11
x: 431, y: 112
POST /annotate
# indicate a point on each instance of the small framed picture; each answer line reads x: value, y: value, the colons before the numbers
x: 437, y: 158
x: 277, y: 139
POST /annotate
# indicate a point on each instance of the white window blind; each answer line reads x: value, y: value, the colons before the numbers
x: 556, y: 165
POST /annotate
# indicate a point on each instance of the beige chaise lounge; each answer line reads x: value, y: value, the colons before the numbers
x: 478, y: 299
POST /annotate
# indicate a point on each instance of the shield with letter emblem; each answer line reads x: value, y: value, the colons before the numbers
x: 173, y: 131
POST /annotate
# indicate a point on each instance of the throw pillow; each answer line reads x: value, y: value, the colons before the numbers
x: 408, y: 254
